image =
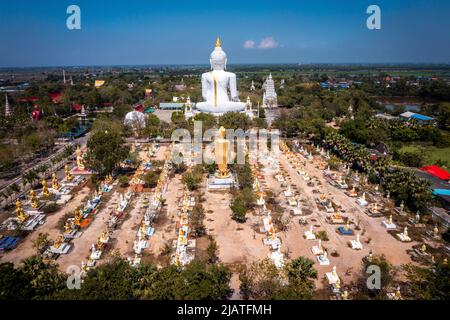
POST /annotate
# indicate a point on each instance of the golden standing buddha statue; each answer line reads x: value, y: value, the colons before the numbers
x: 77, y: 218
x: 80, y: 160
x: 221, y: 153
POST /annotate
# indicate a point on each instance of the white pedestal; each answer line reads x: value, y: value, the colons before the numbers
x: 287, y: 193
x: 388, y: 225
x: 332, y: 279
x: 356, y: 245
x: 260, y: 202
x: 63, y: 248
x: 403, y: 238
x: 215, y: 183
x: 323, y: 261
x: 316, y: 250
x: 310, y: 235
x: 362, y: 202
x: 277, y: 258
x: 341, y: 185
x: 274, y: 243
x: 95, y: 255
x: 30, y: 224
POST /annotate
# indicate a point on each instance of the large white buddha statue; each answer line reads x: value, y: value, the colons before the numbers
x: 217, y: 83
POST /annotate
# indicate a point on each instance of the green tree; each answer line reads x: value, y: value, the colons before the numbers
x: 106, y: 149
x: 239, y: 210
x: 429, y: 284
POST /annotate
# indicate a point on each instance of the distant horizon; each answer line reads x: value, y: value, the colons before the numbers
x: 299, y: 64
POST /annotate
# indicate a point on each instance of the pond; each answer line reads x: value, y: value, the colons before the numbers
x: 406, y: 107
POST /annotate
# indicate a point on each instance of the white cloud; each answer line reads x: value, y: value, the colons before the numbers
x: 249, y: 44
x: 268, y: 43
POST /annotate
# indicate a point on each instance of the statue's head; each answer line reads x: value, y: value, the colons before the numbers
x: 218, y: 58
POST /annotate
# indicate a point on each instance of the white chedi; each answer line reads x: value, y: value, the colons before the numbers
x: 135, y: 119
x: 217, y: 83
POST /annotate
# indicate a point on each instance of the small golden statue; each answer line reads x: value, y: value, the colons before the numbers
x: 398, y: 295
x: 45, y: 192
x: 104, y: 237
x: 80, y: 159
x: 221, y: 153
x: 347, y: 226
x: 20, y: 214
x: 67, y: 227
x: 55, y: 183
x: 423, y: 248
x: 33, y: 200
x: 99, y: 244
x: 58, y: 242
x: 69, y: 177
x: 77, y: 217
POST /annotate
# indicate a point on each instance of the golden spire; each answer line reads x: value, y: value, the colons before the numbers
x: 218, y: 42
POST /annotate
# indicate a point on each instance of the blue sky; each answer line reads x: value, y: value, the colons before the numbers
x: 34, y: 33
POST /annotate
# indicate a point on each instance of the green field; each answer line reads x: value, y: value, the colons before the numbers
x: 430, y: 154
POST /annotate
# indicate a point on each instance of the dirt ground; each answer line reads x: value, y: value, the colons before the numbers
x: 51, y: 226
x: 294, y: 243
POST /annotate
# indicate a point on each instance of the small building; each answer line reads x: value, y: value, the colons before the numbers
x: 171, y: 105
x: 439, y: 185
x: 416, y: 116
x: 440, y: 216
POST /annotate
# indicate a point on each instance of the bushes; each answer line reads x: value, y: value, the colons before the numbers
x: 244, y: 176
x: 196, y: 220
x: 123, y: 181
x: 263, y: 281
x: 239, y: 210
x: 410, y: 159
x: 50, y: 208
x: 192, y: 179
x: 322, y: 235
x: 406, y: 186
x: 151, y: 178
x: 243, y: 200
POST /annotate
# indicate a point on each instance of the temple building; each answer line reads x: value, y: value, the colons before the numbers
x: 270, y: 96
x: 7, y: 108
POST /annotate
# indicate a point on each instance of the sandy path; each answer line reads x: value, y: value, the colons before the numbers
x: 293, y: 241
x: 26, y: 249
x: 165, y: 226
x: 126, y: 234
x: 81, y: 246
x: 237, y: 243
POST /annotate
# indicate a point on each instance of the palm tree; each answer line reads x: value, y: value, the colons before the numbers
x: 14, y: 188
x: 29, y: 177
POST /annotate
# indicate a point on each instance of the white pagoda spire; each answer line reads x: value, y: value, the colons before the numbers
x: 64, y: 76
x: 7, y: 108
x: 269, y: 95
